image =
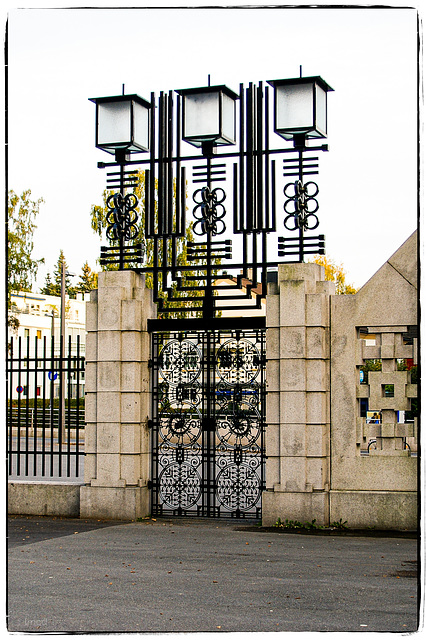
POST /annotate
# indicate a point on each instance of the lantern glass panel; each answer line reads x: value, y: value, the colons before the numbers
x: 202, y: 116
x: 228, y: 118
x: 294, y: 107
x: 321, y: 109
x: 141, y: 126
x: 114, y: 126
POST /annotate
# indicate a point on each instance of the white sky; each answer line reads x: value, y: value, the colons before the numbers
x: 58, y: 58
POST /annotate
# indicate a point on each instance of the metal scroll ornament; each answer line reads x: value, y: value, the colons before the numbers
x: 301, y: 205
x: 122, y: 217
x: 209, y: 211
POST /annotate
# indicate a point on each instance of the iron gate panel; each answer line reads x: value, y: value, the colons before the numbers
x: 208, y: 423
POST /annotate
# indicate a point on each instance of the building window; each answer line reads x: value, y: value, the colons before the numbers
x: 26, y: 333
x: 38, y: 334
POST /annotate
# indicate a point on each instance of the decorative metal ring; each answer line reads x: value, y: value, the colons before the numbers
x: 296, y: 206
x: 295, y: 219
x: 308, y: 208
x: 311, y: 195
x: 293, y: 186
x: 311, y: 226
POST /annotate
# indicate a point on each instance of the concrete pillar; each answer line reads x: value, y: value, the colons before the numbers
x: 298, y: 378
x: 117, y: 445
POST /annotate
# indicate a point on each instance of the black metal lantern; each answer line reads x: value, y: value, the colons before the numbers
x: 122, y: 123
x: 300, y: 108
x: 208, y: 115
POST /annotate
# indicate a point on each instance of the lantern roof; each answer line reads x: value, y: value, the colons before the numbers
x: 322, y: 83
x: 211, y: 89
x: 122, y: 98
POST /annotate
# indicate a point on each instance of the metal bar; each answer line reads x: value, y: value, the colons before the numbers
x: 27, y: 387
x: 218, y: 156
x: 180, y: 227
x: 170, y: 211
x: 259, y: 158
x: 35, y: 407
x: 10, y: 412
x: 67, y: 427
x: 249, y: 192
x: 52, y: 395
x: 77, y: 397
x: 240, y: 226
x: 43, y: 431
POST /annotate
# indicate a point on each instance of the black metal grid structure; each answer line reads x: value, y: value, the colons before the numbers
x: 246, y: 210
x: 42, y: 438
x: 208, y: 423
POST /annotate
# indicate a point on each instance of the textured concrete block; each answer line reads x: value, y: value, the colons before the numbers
x: 109, y: 346
x: 272, y: 440
x: 317, y: 343
x: 130, y: 407
x: 292, y: 375
x: 108, y: 437
x: 293, y: 440
x: 44, y: 499
x: 317, y: 375
x: 91, y: 377
x: 91, y: 316
x: 109, y: 310
x: 273, y: 311
x: 91, y: 347
x: 131, y: 346
x: 317, y: 408
x: 317, y: 440
x: 108, y: 471
x: 131, y: 376
x: 90, y: 444
x: 108, y: 406
x: 292, y: 303
x: 130, y: 441
x: 131, y: 312
x: 293, y: 473
x: 273, y: 408
x: 131, y: 469
x: 293, y: 407
x: 317, y: 311
x: 108, y: 376
x: 292, y: 342
x: 273, y: 343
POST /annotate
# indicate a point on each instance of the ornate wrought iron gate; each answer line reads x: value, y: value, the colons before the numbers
x: 208, y: 423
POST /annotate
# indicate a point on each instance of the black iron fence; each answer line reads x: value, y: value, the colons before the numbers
x: 45, y: 408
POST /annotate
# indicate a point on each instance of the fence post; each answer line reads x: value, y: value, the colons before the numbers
x: 117, y: 398
x: 298, y: 431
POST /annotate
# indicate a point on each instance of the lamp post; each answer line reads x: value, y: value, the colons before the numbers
x: 122, y: 129
x: 61, y: 426
x: 226, y: 127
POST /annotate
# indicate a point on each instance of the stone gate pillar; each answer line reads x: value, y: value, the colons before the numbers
x: 298, y: 378
x: 116, y: 468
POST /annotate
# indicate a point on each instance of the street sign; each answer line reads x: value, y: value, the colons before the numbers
x: 19, y: 389
x: 52, y: 375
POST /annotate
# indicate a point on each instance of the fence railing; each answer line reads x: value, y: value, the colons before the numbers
x: 45, y: 408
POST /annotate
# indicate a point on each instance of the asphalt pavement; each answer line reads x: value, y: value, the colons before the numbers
x: 192, y: 575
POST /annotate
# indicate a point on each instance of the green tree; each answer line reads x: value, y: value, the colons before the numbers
x: 335, y: 273
x: 99, y: 224
x: 88, y: 279
x: 22, y: 268
x: 53, y: 288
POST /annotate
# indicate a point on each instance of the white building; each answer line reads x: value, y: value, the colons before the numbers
x: 39, y: 318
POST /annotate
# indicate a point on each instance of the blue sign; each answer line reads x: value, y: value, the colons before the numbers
x: 19, y: 389
x: 52, y: 375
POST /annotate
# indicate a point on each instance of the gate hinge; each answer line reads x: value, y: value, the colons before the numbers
x: 149, y: 484
x: 149, y: 424
x: 150, y: 364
